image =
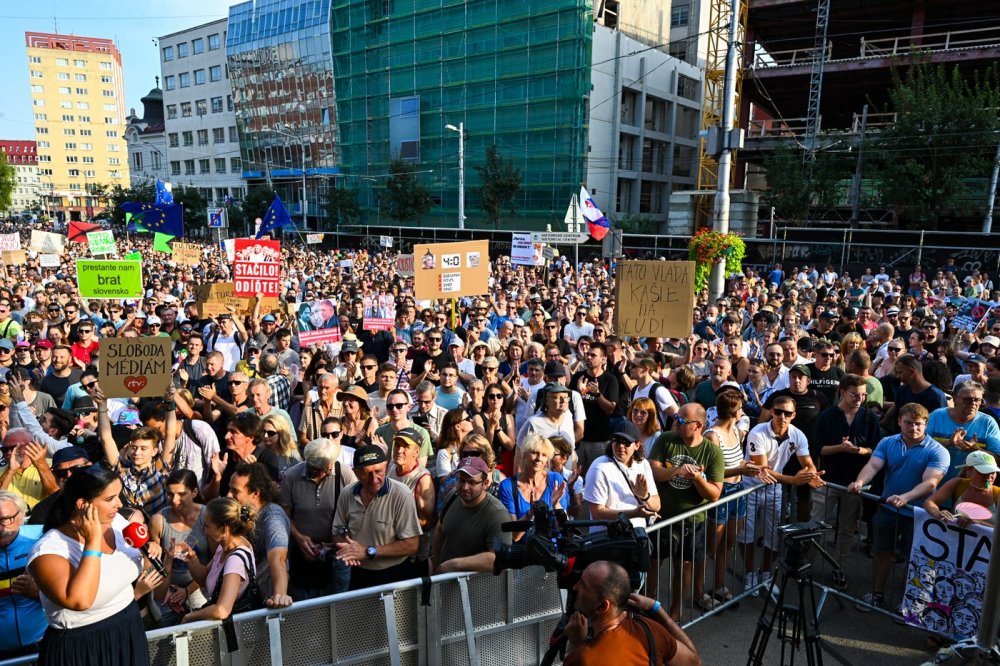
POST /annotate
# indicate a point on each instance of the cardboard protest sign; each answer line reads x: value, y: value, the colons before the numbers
x: 15, y: 257
x: 187, y: 254
x: 47, y: 242
x: 10, y: 242
x: 525, y: 253
x: 450, y: 270
x: 109, y: 279
x: 257, y: 267
x: 317, y: 322
x: 216, y: 298
x: 135, y: 367
x: 403, y: 265
x: 654, y: 298
x: 971, y: 313
x: 379, y: 313
x: 102, y: 242
x: 314, y: 239
x: 49, y: 260
x: 946, y: 578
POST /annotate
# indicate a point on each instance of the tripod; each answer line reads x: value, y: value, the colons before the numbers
x: 801, y: 613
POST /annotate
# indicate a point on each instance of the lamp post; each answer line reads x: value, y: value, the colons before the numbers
x: 461, y: 172
x: 302, y: 146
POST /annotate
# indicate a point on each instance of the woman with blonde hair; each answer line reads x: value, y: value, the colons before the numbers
x: 642, y: 412
x: 278, y: 437
x: 534, y: 481
x: 851, y: 343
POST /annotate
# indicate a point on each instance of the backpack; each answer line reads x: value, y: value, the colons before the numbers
x: 661, y: 418
x: 237, y: 338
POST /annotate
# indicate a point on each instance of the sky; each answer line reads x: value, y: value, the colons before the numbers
x: 134, y: 27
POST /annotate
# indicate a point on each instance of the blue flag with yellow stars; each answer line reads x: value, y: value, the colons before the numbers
x: 277, y: 216
x: 165, y: 218
x: 163, y: 194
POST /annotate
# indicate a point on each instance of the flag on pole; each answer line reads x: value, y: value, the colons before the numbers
x: 78, y: 231
x: 277, y: 216
x: 598, y: 224
x: 164, y: 194
x: 165, y: 218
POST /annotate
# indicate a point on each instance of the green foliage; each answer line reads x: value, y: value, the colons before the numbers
x: 194, y: 206
x: 118, y: 195
x: 792, y: 190
x: 708, y: 247
x: 943, y: 135
x: 500, y: 183
x: 254, y: 205
x: 405, y: 199
x: 341, y: 207
x: 8, y: 180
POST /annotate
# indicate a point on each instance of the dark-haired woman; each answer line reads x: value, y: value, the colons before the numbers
x: 182, y: 520
x: 84, y: 571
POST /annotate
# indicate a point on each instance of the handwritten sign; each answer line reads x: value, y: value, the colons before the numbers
x: 102, y: 242
x: 49, y: 260
x: 135, y: 367
x: 216, y: 298
x: 257, y: 267
x: 187, y: 254
x: 314, y: 239
x: 654, y: 298
x: 109, y: 279
x: 385, y: 241
x: 450, y: 270
x: 15, y: 257
x: 403, y: 265
x: 47, y: 242
x: 524, y: 252
x: 10, y: 242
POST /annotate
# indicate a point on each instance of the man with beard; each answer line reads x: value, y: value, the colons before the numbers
x: 64, y: 374
x: 19, y: 605
x: 464, y: 539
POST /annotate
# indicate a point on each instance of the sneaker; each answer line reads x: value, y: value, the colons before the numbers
x: 750, y: 581
x: 708, y: 603
x: 839, y: 580
x: 876, y: 599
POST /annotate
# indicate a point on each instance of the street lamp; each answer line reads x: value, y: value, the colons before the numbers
x: 302, y: 145
x: 461, y: 172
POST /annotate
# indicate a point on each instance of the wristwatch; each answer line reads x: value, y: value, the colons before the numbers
x: 372, y: 552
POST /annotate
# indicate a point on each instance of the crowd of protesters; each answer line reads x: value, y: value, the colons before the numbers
x: 273, y: 472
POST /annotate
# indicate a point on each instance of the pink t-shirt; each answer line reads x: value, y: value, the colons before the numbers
x: 234, y: 564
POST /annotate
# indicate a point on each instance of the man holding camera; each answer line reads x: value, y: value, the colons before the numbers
x: 613, y: 626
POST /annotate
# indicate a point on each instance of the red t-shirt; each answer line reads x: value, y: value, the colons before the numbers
x: 82, y: 352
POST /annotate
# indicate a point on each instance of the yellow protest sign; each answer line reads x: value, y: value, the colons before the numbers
x: 216, y: 298
x: 451, y: 270
x: 654, y: 298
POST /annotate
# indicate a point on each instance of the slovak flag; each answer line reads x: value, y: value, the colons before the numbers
x: 598, y: 224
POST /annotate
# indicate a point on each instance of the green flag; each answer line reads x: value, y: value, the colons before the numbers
x: 134, y: 256
x: 160, y: 243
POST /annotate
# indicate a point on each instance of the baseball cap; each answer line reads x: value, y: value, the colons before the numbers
x: 627, y: 431
x: 728, y: 386
x: 150, y: 321
x: 555, y: 387
x: 982, y: 462
x: 829, y: 314
x: 892, y: 311
x: 139, y: 314
x: 268, y: 318
x: 456, y: 342
x: 473, y: 466
x: 129, y: 417
x: 518, y: 322
x: 6, y: 344
x: 23, y: 344
x: 408, y: 434
x: 801, y: 368
x: 349, y: 346
x: 805, y: 343
x: 554, y: 369
x: 69, y: 453
x: 991, y: 340
x: 44, y: 344
x: 975, y: 358
x: 368, y: 455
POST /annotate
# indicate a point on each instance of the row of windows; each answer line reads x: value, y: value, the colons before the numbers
x: 174, y: 140
x: 184, y: 79
x: 64, y: 62
x: 200, y: 107
x: 67, y: 118
x: 66, y: 104
x: 205, y: 166
x: 70, y: 145
x: 197, y: 45
x: 75, y: 159
x: 64, y: 76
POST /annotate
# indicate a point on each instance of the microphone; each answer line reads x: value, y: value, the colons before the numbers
x: 136, y: 535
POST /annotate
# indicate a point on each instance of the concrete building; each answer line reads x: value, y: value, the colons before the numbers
x: 202, y: 141
x: 147, y: 140
x: 27, y: 194
x: 689, y: 36
x: 78, y: 98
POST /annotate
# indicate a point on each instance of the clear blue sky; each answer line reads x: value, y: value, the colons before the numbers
x: 133, y: 26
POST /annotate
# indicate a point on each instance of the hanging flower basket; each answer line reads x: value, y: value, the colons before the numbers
x: 708, y: 247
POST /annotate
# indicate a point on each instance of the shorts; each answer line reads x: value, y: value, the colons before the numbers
x: 893, y: 531
x: 763, y: 506
x: 685, y: 540
x: 732, y: 510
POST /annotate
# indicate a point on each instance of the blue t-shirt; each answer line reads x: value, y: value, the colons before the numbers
x: 941, y: 427
x: 931, y: 398
x: 905, y: 465
x: 520, y: 506
x: 23, y: 618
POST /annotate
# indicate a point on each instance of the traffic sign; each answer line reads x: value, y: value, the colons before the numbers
x: 558, y: 237
x: 218, y: 218
x: 549, y: 253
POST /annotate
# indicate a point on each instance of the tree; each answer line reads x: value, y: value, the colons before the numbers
x: 194, y: 206
x: 406, y: 199
x: 500, y: 183
x: 786, y: 180
x: 119, y: 195
x: 8, y: 180
x: 256, y: 203
x: 341, y: 206
x: 943, y: 137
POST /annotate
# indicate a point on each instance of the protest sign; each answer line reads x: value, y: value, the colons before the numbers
x: 48, y: 260
x: 10, y: 242
x: 47, y: 242
x: 314, y: 239
x: 15, y: 257
x: 971, y: 313
x: 257, y: 267
x: 385, y: 241
x: 217, y: 298
x: 109, y: 279
x: 404, y: 265
x: 525, y: 253
x: 946, y: 578
x: 654, y: 298
x: 187, y: 254
x: 102, y: 242
x: 317, y: 322
x: 135, y: 367
x: 229, y: 247
x: 379, y: 312
x: 450, y: 270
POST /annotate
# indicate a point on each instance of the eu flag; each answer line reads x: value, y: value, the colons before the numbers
x: 163, y: 193
x: 165, y: 218
x: 277, y: 216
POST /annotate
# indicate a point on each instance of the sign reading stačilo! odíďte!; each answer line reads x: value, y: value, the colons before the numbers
x: 257, y: 267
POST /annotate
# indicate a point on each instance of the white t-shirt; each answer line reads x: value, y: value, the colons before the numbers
x: 662, y: 398
x: 227, y: 346
x: 763, y: 442
x: 606, y: 486
x: 114, y: 592
x: 572, y: 332
x: 540, y: 425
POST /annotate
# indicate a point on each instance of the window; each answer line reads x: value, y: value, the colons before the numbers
x: 105, y: 79
x: 62, y: 62
x: 171, y: 111
x: 62, y: 76
x: 188, y: 167
x: 185, y: 79
x: 37, y: 89
x: 199, y: 77
x: 108, y: 120
x: 679, y: 15
x: 81, y: 91
x: 198, y: 45
x: 66, y: 104
x: 188, y: 138
x: 216, y: 105
x: 83, y: 105
x: 109, y: 107
x: 111, y: 134
x: 172, y: 140
x: 203, y: 137
x: 45, y: 158
x: 185, y: 109
x: 80, y: 77
x: 107, y: 93
x: 220, y: 165
x: 114, y: 161
x: 169, y: 82
x: 229, y: 102
x: 43, y: 144
x: 38, y: 102
x: 688, y: 88
x: 67, y: 119
x: 105, y: 65
x: 89, y: 173
x: 182, y: 50
x: 73, y: 173
x: 137, y: 161
x: 201, y: 107
x: 65, y: 90
x: 42, y: 130
x: 84, y: 119
x: 175, y: 168
x: 70, y: 145
x: 234, y: 165
x: 71, y: 159
x: 88, y: 160
x: 37, y: 60
x: 35, y: 74
x: 219, y: 135
x: 113, y: 147
x: 234, y: 136
x: 215, y: 73
x: 168, y: 53
x: 79, y: 63
x: 204, y: 166
x: 213, y: 42
x: 85, y: 132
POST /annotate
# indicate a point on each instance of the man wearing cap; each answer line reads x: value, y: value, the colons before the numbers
x: 22, y: 615
x: 962, y: 429
x: 555, y: 418
x: 976, y: 366
x: 397, y: 408
x: 825, y: 327
x: 470, y: 522
x: 376, y: 527
x: 227, y: 337
x: 63, y: 374
x: 405, y: 467
x: 263, y: 333
x: 25, y: 471
x: 65, y: 463
x: 309, y: 492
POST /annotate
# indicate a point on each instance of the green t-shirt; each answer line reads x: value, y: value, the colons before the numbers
x: 875, y: 393
x: 387, y: 432
x: 680, y: 495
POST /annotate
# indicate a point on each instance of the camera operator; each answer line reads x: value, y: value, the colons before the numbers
x: 602, y: 630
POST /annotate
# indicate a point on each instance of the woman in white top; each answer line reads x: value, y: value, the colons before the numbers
x: 621, y: 481
x: 85, y: 573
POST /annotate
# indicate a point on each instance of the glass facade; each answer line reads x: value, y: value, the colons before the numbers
x: 282, y: 77
x: 517, y: 74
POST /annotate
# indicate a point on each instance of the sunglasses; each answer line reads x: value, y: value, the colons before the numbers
x: 395, y: 405
x: 236, y: 383
x: 784, y: 412
x: 894, y: 349
x: 433, y: 339
x: 495, y: 396
x: 270, y: 433
x: 471, y: 454
x: 401, y: 350
x: 332, y: 434
x: 88, y: 385
x: 368, y: 367
x: 683, y: 421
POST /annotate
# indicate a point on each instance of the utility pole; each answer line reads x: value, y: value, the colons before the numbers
x: 988, y: 220
x: 461, y: 172
x: 856, y: 185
